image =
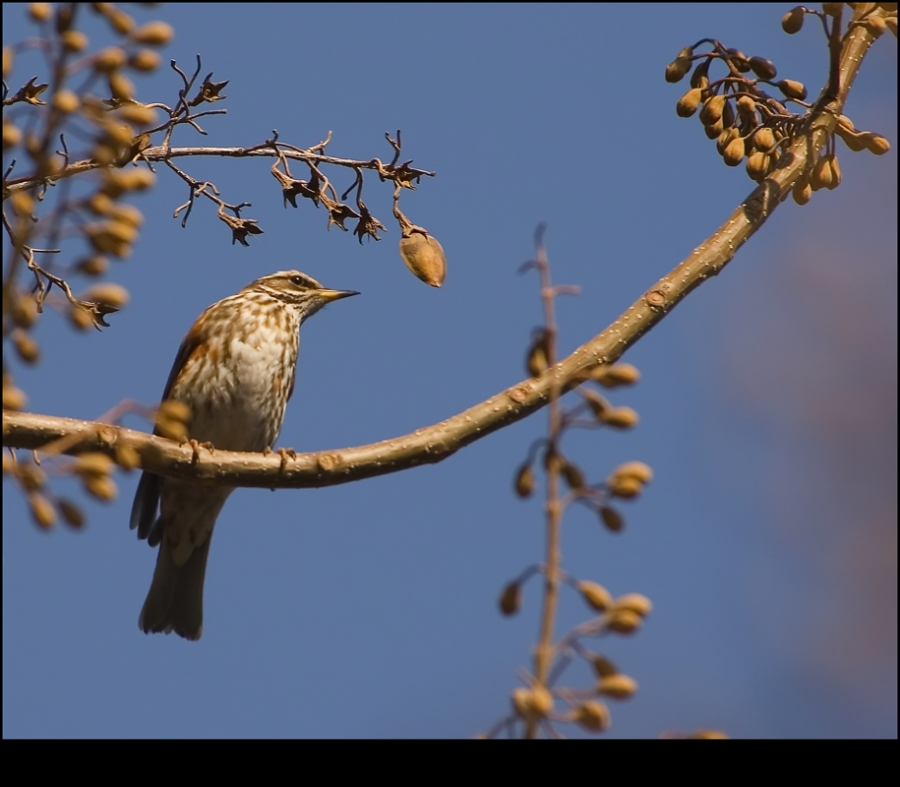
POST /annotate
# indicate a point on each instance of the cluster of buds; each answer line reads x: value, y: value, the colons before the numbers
x: 45, y: 507
x: 586, y: 708
x: 752, y: 126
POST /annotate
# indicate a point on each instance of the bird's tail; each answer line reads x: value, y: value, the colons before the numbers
x: 175, y: 600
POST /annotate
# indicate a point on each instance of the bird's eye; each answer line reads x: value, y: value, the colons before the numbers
x: 297, y: 280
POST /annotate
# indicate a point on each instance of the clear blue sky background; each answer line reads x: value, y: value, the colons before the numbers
x: 767, y: 540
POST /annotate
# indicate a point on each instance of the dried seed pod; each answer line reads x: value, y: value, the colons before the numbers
x: 791, y: 88
x: 80, y: 318
x: 636, y: 602
x: 875, y: 25
x: 792, y: 21
x: 603, y: 667
x: 757, y: 165
x: 676, y: 70
x: 624, y: 486
x: 42, y: 510
x: 11, y: 135
x: 424, y: 256
x: 875, y: 143
x: 612, y: 519
x: 700, y: 77
x: 619, y: 417
x: 688, y: 103
x: 524, y: 484
x: 536, y: 701
x: 71, y: 513
x: 764, y: 69
x: 802, y: 192
x: 101, y: 487
x: 821, y: 174
x: 511, y: 599
x: 592, y: 715
x: 746, y: 106
x: 31, y: 477
x: 739, y: 60
x: 24, y: 310
x: 13, y: 398
x: 153, y: 34
x: 619, y: 687
x: 725, y: 139
x: 639, y: 470
x: 172, y: 419
x: 713, y: 131
x: 728, y: 115
x: 26, y: 347
x: 40, y: 12
x: 712, y: 110
x: 734, y: 153
x: 144, y: 60
x: 624, y: 621
x: 121, y: 87
x: 764, y: 139
x: 121, y: 22
x: 597, y: 596
x: 127, y: 456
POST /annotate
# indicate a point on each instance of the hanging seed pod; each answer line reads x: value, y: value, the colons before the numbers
x: 612, y: 519
x: 619, y: 687
x: 757, y: 165
x: 746, y: 106
x: 734, y: 153
x: 875, y: 143
x: 617, y: 374
x: 424, y: 256
x: 712, y: 110
x: 636, y: 602
x: 792, y: 21
x: 573, y: 475
x: 26, y: 347
x: 728, y: 115
x: 592, y: 715
x: 791, y: 88
x: 835, y: 172
x: 764, y: 69
x: 713, y: 131
x: 821, y: 174
x: 676, y: 70
x: 524, y: 484
x: 802, y: 192
x: 764, y: 140
x: 511, y: 599
x: 93, y: 464
x: 700, y: 77
x: 101, y: 487
x: 725, y: 139
x: 71, y: 513
x: 537, y: 362
x: 739, y: 60
x: 619, y: 417
x: 42, y: 511
x: 688, y: 103
x: 596, y: 596
x: 536, y: 701
x: 603, y: 667
x: 624, y: 621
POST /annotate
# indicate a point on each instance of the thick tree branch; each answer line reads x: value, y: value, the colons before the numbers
x: 434, y: 443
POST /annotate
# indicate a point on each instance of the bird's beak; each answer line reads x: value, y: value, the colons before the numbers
x: 335, y: 295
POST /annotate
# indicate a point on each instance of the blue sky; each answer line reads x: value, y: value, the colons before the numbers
x: 767, y: 540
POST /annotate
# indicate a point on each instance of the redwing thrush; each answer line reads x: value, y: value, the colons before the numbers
x: 235, y: 370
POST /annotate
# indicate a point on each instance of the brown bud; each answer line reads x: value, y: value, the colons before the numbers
x: 108, y: 60
x: 603, y: 667
x: 423, y: 255
x: 617, y: 374
x: 93, y: 464
x: 801, y: 192
x: 138, y: 114
x: 739, y: 60
x: 713, y: 131
x: 876, y: 25
x: 92, y: 266
x: 153, y: 33
x: 725, y: 139
x: 40, y: 12
x: 757, y: 165
x: 74, y: 41
x: 619, y: 687
x: 764, y: 69
x: 592, y: 715
x: 764, y: 139
x: 71, y: 513
x: 524, y: 484
x: 102, y: 487
x: 144, y: 60
x: 127, y: 456
x: 11, y: 135
x: 712, y: 110
x: 612, y: 519
x: 537, y: 360
x: 42, y: 510
x: 821, y: 174
x: 24, y: 310
x: 636, y: 602
x: 619, y: 417
x: 791, y: 88
x: 597, y: 596
x: 624, y: 486
x: 13, y: 398
x: 80, y: 318
x: 676, y: 70
x: 688, y: 103
x: 792, y: 21
x: 835, y: 172
x: 66, y: 101
x: 734, y: 153
x: 746, y: 106
x: 511, y: 599
x: 875, y: 143
x: 26, y: 347
x: 114, y: 295
x: 31, y: 477
x: 120, y: 86
x: 573, y: 475
x: 624, y: 621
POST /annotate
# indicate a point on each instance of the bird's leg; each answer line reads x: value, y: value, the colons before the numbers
x: 196, y: 445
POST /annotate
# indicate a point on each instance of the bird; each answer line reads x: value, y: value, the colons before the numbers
x: 235, y: 370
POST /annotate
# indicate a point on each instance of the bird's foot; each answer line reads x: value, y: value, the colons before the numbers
x: 196, y: 445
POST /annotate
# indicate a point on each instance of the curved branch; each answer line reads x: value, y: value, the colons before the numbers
x: 437, y: 442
